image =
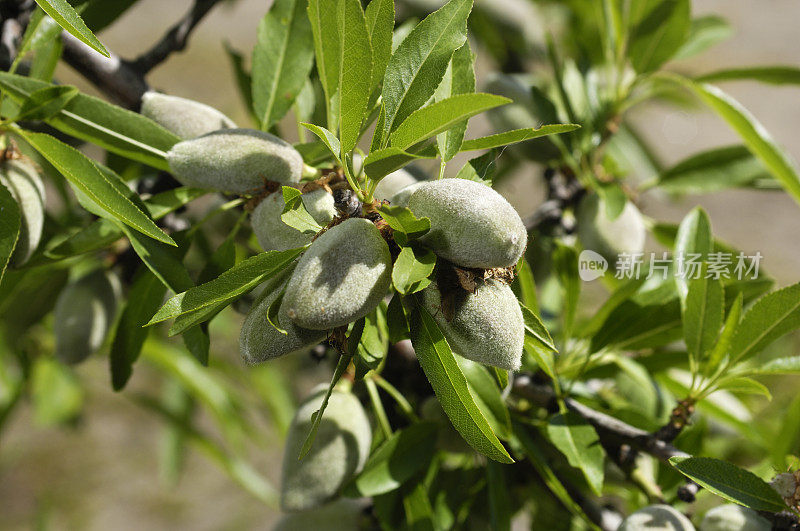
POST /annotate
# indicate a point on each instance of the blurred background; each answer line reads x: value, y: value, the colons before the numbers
x: 104, y: 472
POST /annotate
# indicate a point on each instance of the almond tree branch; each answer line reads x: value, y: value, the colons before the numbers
x: 608, y: 428
x: 175, y: 39
x: 123, y: 80
x: 114, y: 76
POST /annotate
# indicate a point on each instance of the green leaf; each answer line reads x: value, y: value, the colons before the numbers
x: 790, y: 365
x: 98, y: 185
x: 774, y: 75
x: 103, y: 232
x: 730, y: 482
x: 704, y: 32
x: 543, y: 465
x: 282, y: 59
x: 693, y: 238
x: 647, y: 319
x: 55, y: 391
x: 515, y: 136
x: 702, y: 315
x: 91, y: 119
x: 328, y: 138
x: 398, y: 459
x: 755, y: 136
x: 578, y: 441
x: 772, y: 316
x: 713, y: 170
x: 565, y: 261
x: 451, y: 387
x: 46, y: 102
x: 658, y: 32
x: 401, y: 219
x: 374, y: 342
x: 743, y: 385
x: 244, y: 81
x: 237, y: 281
x: 382, y: 162
x: 9, y: 227
x: 164, y: 261
x: 295, y: 214
x: 380, y: 24
x: 487, y: 396
x: 527, y: 286
x: 498, y: 487
x: 418, y: 64
x: 344, y: 62
x: 68, y: 18
x: 722, y: 346
x: 458, y: 79
x: 418, y: 509
x: 411, y: 270
x: 145, y: 296
x: 480, y: 169
x: 441, y: 116
x: 536, y: 329
x: 355, y: 71
x: 538, y: 342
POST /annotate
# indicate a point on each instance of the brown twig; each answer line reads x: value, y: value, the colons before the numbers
x: 608, y: 428
x: 113, y: 75
x: 175, y: 39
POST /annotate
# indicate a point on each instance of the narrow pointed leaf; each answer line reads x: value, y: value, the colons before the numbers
x: 578, y: 441
x: 458, y: 79
x: 380, y: 24
x: 382, y: 162
x: 66, y: 16
x: 451, y: 388
x: 418, y: 64
x: 730, y: 482
x: 755, y: 136
x: 146, y: 294
x: 237, y: 281
x: 772, y: 316
x: 396, y: 461
x: 694, y: 238
x: 773, y: 75
x: 441, y: 116
x: 702, y: 315
x: 9, y: 227
x: 87, y: 177
x: 515, y: 136
x: 282, y: 59
x: 91, y: 119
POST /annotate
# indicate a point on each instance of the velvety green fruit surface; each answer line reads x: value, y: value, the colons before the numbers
x: 340, y: 515
x: 273, y: 234
x: 339, y: 452
x: 597, y: 232
x: 471, y: 224
x: 22, y: 179
x: 235, y: 160
x: 487, y: 326
x: 183, y: 117
x: 340, y: 278
x: 391, y: 184
x: 260, y: 341
x: 83, y: 315
x: 733, y: 517
x: 656, y: 518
